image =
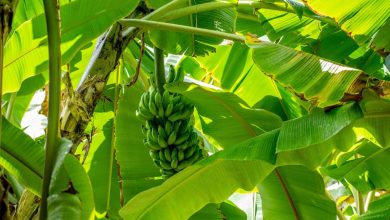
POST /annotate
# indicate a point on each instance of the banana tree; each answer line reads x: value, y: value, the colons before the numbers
x: 181, y: 109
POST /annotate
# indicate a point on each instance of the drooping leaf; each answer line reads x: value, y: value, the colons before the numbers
x: 82, y: 185
x: 59, y: 177
x: 100, y: 166
x: 316, y: 128
x: 225, y: 117
x: 294, y: 30
x: 22, y: 157
x: 81, y: 22
x: 361, y: 19
x: 323, y: 39
x: 211, y: 180
x: 308, y: 75
x: 306, y: 194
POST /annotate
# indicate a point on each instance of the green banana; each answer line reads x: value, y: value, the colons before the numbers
x: 165, y: 165
x: 174, y: 163
x: 176, y: 126
x: 161, y: 132
x: 153, y: 145
x: 182, y: 138
x: 177, y: 108
x: 161, y: 155
x: 195, y: 157
x: 158, y: 100
x: 183, y: 164
x: 174, y: 117
x: 149, y: 124
x: 167, y: 172
x: 161, y: 112
x: 174, y: 153
x: 168, y: 109
x: 161, y: 141
x: 183, y: 146
x: 141, y: 116
x: 172, y: 138
x: 166, y: 99
x: 190, y: 151
x: 180, y: 155
x: 141, y: 100
x: 154, y: 154
x: 155, y: 134
x: 146, y: 99
x: 167, y: 154
x: 152, y: 108
x: 146, y: 113
x: 168, y: 127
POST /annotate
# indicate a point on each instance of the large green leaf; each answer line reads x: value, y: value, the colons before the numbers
x: 82, y: 185
x: 324, y: 39
x: 81, y: 21
x: 306, y: 192
x: 22, y: 157
x: 100, y: 166
x: 225, y: 117
x: 361, y: 19
x: 308, y: 75
x: 211, y: 180
x: 294, y: 30
x: 190, y: 44
x: 316, y: 128
x: 67, y: 200
x: 137, y: 169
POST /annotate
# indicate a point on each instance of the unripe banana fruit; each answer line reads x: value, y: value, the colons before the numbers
x: 173, y: 144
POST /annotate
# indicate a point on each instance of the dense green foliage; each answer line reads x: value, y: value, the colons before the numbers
x: 276, y: 109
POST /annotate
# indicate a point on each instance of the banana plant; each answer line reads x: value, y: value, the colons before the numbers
x: 181, y: 109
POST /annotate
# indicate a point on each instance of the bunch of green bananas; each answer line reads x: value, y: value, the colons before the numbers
x: 168, y: 130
